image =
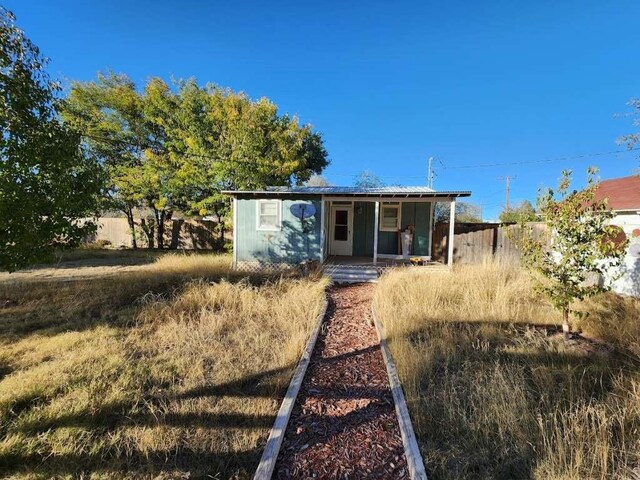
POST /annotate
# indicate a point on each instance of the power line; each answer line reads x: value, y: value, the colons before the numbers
x: 557, y: 159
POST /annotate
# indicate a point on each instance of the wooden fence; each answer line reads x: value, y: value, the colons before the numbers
x: 189, y: 234
x: 475, y: 241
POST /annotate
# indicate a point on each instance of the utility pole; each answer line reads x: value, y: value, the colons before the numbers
x: 431, y: 173
x: 508, y: 179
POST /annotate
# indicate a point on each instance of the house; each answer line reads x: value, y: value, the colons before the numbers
x: 289, y: 225
x: 623, y: 197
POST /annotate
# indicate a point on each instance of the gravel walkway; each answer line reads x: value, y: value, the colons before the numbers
x: 344, y: 424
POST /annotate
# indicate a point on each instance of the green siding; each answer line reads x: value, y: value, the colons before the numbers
x: 363, y: 219
x: 289, y: 245
x: 417, y: 214
x: 292, y: 245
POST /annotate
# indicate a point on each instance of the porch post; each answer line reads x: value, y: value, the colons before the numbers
x: 376, y: 221
x: 452, y: 221
x: 322, y: 229
x: 235, y: 232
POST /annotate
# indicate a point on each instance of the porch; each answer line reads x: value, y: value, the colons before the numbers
x: 380, y: 231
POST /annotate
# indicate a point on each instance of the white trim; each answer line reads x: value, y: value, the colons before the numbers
x: 403, y: 257
x: 452, y: 222
x: 398, y: 209
x: 376, y: 218
x: 322, y: 230
x: 390, y: 199
x: 235, y: 232
x: 278, y: 227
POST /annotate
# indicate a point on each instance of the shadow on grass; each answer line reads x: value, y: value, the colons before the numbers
x: 556, y: 375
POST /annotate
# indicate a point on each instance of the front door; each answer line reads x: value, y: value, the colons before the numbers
x: 341, y: 230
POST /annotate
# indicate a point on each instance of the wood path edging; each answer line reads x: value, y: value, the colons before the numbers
x: 276, y: 435
x: 411, y: 449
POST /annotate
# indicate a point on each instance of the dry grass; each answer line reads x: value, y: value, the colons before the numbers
x: 492, y: 389
x: 153, y: 374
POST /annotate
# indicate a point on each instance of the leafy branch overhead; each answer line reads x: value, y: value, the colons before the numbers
x: 46, y: 182
x: 175, y: 147
x: 583, y: 249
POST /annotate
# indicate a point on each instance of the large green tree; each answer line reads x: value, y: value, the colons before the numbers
x: 177, y: 147
x: 46, y: 182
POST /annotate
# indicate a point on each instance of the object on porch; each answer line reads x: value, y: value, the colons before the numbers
x: 407, y: 241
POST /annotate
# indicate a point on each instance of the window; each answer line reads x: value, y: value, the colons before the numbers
x: 389, y: 218
x: 269, y: 215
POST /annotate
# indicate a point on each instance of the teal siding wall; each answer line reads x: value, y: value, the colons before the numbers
x: 289, y: 245
x: 363, y: 220
x: 417, y: 214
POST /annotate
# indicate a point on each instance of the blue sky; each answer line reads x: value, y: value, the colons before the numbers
x: 389, y: 84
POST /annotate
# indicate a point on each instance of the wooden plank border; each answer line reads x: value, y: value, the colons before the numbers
x: 271, y: 450
x: 411, y: 449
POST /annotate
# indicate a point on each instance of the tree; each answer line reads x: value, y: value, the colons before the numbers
x: 366, y: 179
x: 46, y: 182
x: 465, y: 212
x: 170, y: 149
x: 521, y: 214
x: 582, y: 244
x: 317, y: 181
x: 633, y: 138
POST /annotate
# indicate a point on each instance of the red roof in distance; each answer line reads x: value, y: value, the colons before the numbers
x: 623, y: 193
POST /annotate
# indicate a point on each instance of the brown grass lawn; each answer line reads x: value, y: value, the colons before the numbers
x: 494, y: 392
x: 174, y: 370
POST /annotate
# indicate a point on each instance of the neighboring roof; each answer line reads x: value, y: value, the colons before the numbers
x: 407, y: 192
x: 622, y: 193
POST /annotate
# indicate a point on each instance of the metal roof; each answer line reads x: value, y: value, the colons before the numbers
x: 417, y: 191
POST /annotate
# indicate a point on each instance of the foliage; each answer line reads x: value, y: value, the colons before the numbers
x: 317, y: 181
x: 177, y: 149
x: 583, y: 245
x: 367, y: 179
x: 46, y: 183
x: 465, y: 212
x: 521, y: 214
x: 633, y: 138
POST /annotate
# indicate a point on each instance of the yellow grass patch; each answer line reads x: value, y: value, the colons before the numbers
x: 494, y: 393
x: 171, y: 371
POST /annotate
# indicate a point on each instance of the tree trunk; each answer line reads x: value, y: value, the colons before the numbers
x: 132, y: 227
x: 566, y: 328
x: 149, y: 231
x: 160, y: 223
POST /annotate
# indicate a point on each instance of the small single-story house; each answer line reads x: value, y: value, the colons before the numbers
x: 289, y: 225
x: 623, y: 197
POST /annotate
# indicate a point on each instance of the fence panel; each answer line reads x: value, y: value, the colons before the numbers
x: 474, y: 241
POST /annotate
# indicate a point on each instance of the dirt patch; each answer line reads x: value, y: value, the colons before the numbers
x: 344, y: 423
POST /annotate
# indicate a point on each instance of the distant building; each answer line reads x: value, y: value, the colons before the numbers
x: 623, y: 197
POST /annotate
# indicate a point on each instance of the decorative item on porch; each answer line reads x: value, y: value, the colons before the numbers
x: 406, y: 238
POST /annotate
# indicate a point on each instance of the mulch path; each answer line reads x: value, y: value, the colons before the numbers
x: 344, y: 424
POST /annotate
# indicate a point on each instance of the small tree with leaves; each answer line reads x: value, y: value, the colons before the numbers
x: 581, y: 246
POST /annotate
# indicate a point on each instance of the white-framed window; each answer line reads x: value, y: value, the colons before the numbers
x: 269, y: 215
x: 389, y: 217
